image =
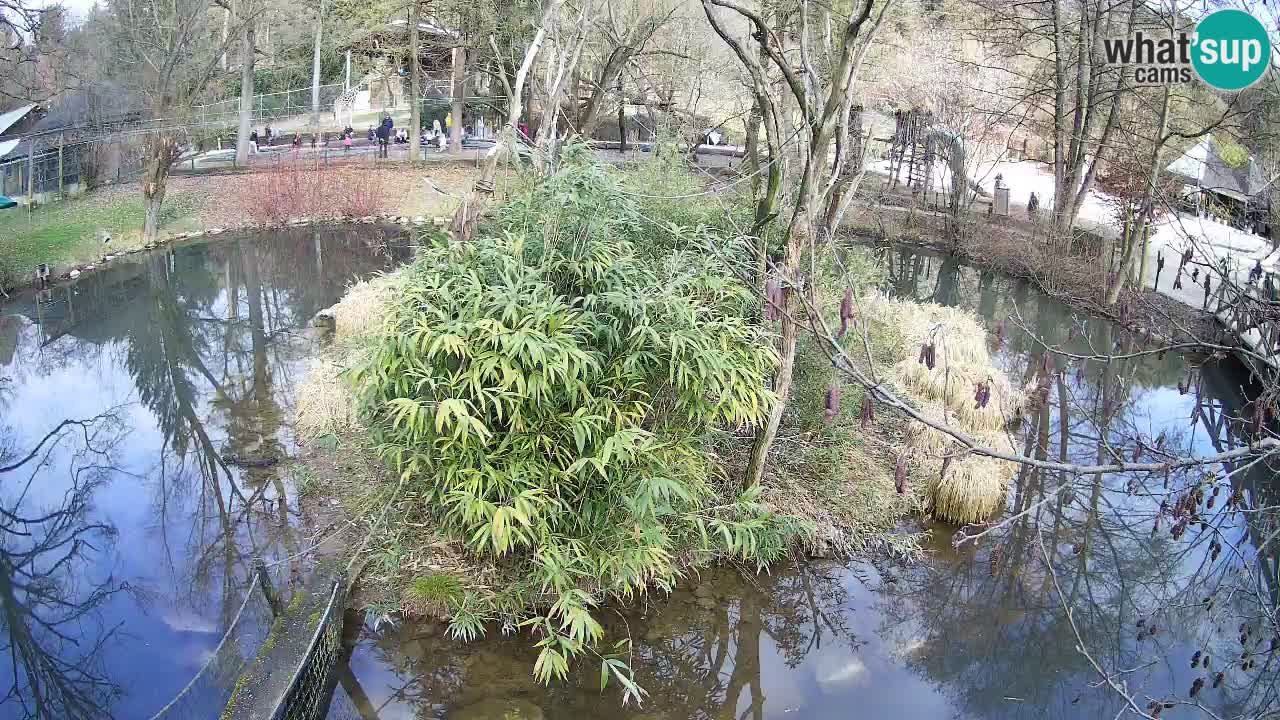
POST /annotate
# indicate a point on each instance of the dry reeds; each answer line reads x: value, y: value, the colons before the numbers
x: 364, y: 308
x: 294, y: 187
x: 325, y: 403
x: 965, y: 488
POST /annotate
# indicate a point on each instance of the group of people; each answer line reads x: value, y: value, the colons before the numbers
x: 269, y: 137
x: 384, y: 134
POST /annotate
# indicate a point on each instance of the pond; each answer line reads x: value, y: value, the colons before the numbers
x: 975, y: 632
x: 144, y: 441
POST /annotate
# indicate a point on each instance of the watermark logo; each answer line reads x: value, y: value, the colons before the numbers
x: 1229, y: 50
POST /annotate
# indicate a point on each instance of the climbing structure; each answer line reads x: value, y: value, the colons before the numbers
x: 911, y: 146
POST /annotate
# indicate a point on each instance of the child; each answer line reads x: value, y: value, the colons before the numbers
x: 346, y: 142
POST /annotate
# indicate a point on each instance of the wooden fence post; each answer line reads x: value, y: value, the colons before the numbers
x: 62, y: 193
x: 31, y: 173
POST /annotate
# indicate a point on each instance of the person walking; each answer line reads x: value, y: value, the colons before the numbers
x: 384, y: 136
x: 381, y: 132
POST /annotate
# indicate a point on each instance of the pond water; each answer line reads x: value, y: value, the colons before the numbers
x: 968, y: 633
x: 129, y: 403
x: 129, y: 535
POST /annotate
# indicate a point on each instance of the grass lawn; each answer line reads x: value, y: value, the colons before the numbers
x: 67, y: 233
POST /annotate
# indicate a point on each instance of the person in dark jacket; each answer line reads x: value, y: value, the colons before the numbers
x: 384, y: 136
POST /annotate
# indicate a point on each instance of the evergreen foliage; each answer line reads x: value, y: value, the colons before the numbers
x: 548, y: 390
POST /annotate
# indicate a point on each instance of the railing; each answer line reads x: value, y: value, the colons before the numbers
x: 1252, y: 313
x: 311, y: 689
x: 209, y: 689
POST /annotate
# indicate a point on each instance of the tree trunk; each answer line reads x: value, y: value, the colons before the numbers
x: 226, y: 28
x: 247, y: 51
x: 459, y: 92
x: 415, y: 71
x: 160, y: 152
x: 315, y: 70
x: 1142, y: 255
x: 852, y: 150
x: 1148, y: 202
x: 1061, y: 222
x: 589, y: 116
x: 799, y: 239
x: 752, y: 149
x: 622, y: 122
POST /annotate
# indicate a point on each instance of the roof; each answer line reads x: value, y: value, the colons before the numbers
x: 9, y: 119
x: 428, y: 26
x: 392, y: 34
x: 103, y: 103
x: 1203, y: 166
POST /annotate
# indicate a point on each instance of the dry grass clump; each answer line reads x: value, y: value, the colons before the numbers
x: 972, y: 488
x: 325, y: 404
x: 364, y: 308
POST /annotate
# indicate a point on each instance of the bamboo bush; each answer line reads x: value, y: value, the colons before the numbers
x: 547, y: 390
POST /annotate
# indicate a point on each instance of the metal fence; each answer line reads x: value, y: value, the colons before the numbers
x: 268, y: 106
x: 42, y: 170
x: 311, y: 689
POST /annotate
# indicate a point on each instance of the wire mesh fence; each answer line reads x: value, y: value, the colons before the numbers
x: 310, y: 691
x: 268, y: 106
x: 43, y: 169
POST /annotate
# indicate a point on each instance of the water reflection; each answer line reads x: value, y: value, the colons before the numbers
x: 971, y: 633
x: 50, y: 590
x: 195, y: 351
x: 1145, y: 594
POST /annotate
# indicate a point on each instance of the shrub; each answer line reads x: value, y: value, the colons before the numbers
x: 297, y: 188
x: 548, y: 391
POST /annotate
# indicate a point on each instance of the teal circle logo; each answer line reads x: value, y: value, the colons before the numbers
x: 1231, y: 49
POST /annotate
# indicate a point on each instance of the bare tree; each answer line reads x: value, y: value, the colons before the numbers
x: 567, y: 42
x: 171, y: 52
x: 823, y: 103
x: 1069, y: 83
x: 620, y: 40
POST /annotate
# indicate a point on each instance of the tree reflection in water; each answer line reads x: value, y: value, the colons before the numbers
x: 1149, y: 605
x: 50, y: 591
x: 700, y: 653
x: 207, y: 339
